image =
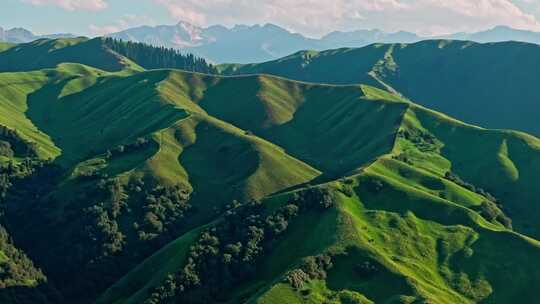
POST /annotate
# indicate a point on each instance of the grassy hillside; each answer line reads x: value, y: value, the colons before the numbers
x: 46, y: 53
x: 102, y: 53
x: 163, y: 137
x: 5, y: 45
x: 164, y: 186
x: 401, y: 230
x: 502, y: 162
x: 485, y: 84
x: 423, y: 249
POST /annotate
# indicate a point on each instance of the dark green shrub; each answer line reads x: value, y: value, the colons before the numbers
x: 367, y: 269
x: 5, y: 149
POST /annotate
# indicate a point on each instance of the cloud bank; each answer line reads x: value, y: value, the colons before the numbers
x: 316, y: 17
x: 72, y: 5
x: 120, y: 24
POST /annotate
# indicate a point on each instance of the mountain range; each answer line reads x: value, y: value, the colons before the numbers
x: 258, y: 43
x: 124, y: 181
x: 21, y: 35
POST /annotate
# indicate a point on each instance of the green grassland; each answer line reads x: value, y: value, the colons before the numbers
x: 423, y: 229
x: 46, y: 53
x: 441, y: 211
x: 5, y: 46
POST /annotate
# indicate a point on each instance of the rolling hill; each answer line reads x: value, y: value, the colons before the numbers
x: 168, y: 186
x: 486, y: 84
x: 47, y: 53
x: 415, y: 233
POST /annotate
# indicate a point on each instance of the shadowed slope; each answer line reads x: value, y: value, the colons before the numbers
x: 46, y: 53
x: 491, y: 85
x: 111, y: 111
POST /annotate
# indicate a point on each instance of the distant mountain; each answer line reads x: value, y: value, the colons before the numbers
x: 498, y: 34
x: 220, y: 44
x: 365, y: 37
x: 182, y: 35
x: 259, y: 43
x: 21, y: 35
x: 17, y: 35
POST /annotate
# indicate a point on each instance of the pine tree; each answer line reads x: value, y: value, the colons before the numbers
x: 151, y: 57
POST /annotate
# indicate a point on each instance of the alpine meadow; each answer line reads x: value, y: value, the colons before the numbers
x: 392, y: 173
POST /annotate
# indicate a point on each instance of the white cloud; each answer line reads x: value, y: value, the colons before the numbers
x: 473, y: 15
x: 72, y: 5
x: 316, y: 17
x: 311, y: 16
x: 125, y: 22
x: 532, y: 6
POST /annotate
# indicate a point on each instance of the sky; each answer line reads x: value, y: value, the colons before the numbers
x: 313, y: 18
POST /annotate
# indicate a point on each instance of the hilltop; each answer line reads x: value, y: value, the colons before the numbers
x: 105, y: 54
x: 166, y: 186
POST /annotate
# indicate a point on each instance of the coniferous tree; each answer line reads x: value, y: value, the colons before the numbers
x: 151, y: 57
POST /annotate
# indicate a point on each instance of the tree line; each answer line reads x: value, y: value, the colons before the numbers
x: 229, y: 253
x: 152, y: 57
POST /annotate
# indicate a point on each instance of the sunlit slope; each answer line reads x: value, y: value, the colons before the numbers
x: 201, y: 141
x: 15, y: 89
x: 423, y: 247
x: 110, y: 111
x: 249, y: 136
x: 418, y: 259
x: 221, y: 162
x: 335, y: 129
x: 58, y: 108
x: 49, y: 70
x: 504, y: 163
x: 75, y: 102
x: 491, y: 85
x: 5, y: 45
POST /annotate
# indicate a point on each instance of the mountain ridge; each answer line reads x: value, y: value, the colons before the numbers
x: 22, y: 35
x: 258, y: 43
x: 428, y: 73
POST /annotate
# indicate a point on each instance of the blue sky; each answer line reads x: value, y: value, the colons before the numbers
x: 310, y: 17
x: 55, y: 16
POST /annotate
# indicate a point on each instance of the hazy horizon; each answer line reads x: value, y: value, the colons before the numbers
x: 311, y: 18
